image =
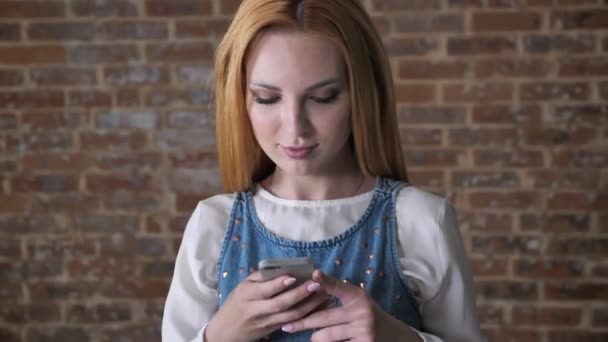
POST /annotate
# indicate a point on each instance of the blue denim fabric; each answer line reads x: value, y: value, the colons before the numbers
x: 364, y: 255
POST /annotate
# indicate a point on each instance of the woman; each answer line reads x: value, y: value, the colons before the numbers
x: 309, y: 153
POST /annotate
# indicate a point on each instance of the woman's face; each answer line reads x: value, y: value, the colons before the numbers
x: 298, y: 102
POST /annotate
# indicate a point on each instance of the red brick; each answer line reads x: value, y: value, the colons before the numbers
x: 52, y: 120
x: 486, y: 92
x: 593, y: 200
x: 427, y: 178
x: 59, y: 247
x: 30, y: 313
x: 506, y: 244
x: 10, y: 249
x: 82, y: 31
x: 189, y: 119
x: 31, y: 9
x: 382, y: 25
x: 49, y: 141
x: 552, y: 3
x: 559, y: 136
x: 512, y: 158
x: 600, y: 317
x: 178, y: 7
x: 180, y: 52
x: 11, y: 77
x: 193, y: 159
x: 405, y: 5
x: 38, y: 54
x: 132, y: 331
x: 420, y: 136
x: 56, y: 162
x: 425, y: 23
x: 201, y: 28
x: 10, y: 32
x: 485, y: 267
x: 590, y: 66
x: 126, y: 119
x: 97, y: 183
x: 551, y: 316
x: 433, y: 157
x: 198, y: 182
x: 481, y: 45
x: 178, y: 97
x: 128, y: 97
x: 104, y: 54
x: 11, y: 292
x: 509, y: 68
x: 44, y: 183
x: 140, y: 30
x: 478, y: 221
x: 95, y: 268
x: 414, y: 93
x: 524, y: 200
x: 8, y: 121
x: 126, y: 161
x: 89, y: 98
x: 580, y: 158
x: 64, y: 203
x: 31, y: 224
x: 190, y: 139
x: 490, y: 314
x: 397, y: 47
x: 177, y: 224
x: 194, y: 74
x: 13, y: 203
x: 486, y: 137
x: 570, y: 43
x: 529, y: 115
x: 229, y: 6
x: 504, y: 21
x: 26, y: 270
x: 157, y: 269
x: 99, y: 313
x: 411, y: 115
x: 462, y: 4
x: 482, y: 179
x: 8, y: 166
x: 600, y: 271
x: 122, y: 201
x: 106, y: 8
x: 509, y: 334
x: 566, y: 180
x: 508, y: 290
x: 113, y: 140
x: 589, y: 247
x: 548, y: 269
x: 431, y: 70
x: 574, y: 336
x: 576, y: 291
x: 156, y: 223
x: 580, y: 20
x: 56, y: 333
x: 585, y: 114
x: 186, y: 203
x: 139, y: 75
x: 124, y: 288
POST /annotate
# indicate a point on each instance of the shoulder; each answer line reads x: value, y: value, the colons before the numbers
x: 413, y: 203
x: 210, y: 217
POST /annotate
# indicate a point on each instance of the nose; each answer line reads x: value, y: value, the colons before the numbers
x: 295, y: 118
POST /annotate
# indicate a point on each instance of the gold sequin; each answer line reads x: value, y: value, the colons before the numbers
x: 345, y: 280
x: 225, y: 274
x: 236, y: 237
x: 238, y: 220
x: 381, y: 274
x: 398, y: 296
x: 364, y: 244
x: 385, y: 218
x: 369, y: 271
x: 362, y: 284
x: 219, y: 295
x: 241, y: 270
x: 243, y: 245
x: 338, y: 261
x: 377, y: 230
x: 252, y: 269
x: 372, y: 255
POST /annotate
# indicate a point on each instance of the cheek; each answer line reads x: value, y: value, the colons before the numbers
x: 262, y: 121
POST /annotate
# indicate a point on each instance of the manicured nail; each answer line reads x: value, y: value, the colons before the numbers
x: 289, y: 281
x: 287, y: 327
x: 312, y: 287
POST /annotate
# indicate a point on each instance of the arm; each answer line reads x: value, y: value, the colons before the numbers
x: 434, y: 261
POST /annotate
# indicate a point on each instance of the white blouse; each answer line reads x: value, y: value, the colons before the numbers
x: 432, y: 256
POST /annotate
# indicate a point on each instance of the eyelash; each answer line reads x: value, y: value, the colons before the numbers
x: 325, y: 100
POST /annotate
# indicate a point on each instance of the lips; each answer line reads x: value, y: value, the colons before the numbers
x: 298, y: 152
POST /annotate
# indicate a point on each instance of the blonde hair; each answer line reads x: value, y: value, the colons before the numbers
x: 375, y: 134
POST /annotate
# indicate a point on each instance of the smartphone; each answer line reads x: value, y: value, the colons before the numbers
x: 300, y: 268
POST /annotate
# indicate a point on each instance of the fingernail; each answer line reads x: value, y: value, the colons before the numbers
x: 312, y: 287
x: 287, y: 327
x: 289, y: 281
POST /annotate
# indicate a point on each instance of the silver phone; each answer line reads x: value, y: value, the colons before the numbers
x: 300, y: 268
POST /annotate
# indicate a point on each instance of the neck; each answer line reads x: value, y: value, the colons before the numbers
x: 311, y: 188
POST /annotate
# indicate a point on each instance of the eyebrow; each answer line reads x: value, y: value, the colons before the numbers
x: 309, y: 88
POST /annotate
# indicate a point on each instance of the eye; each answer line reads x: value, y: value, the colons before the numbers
x: 327, y: 99
x: 267, y: 101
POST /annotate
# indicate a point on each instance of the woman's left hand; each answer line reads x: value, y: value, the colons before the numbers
x: 358, y: 319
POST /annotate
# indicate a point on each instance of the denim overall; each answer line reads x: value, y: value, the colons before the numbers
x: 364, y: 255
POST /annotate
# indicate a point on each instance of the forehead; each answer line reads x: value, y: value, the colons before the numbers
x: 293, y: 57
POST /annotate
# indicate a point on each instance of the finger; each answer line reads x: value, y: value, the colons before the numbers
x: 344, y: 291
x: 297, y: 311
x: 259, y: 290
x: 287, y: 299
x: 320, y: 319
x: 342, y: 332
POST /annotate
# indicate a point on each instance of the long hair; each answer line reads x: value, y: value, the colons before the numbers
x: 375, y: 134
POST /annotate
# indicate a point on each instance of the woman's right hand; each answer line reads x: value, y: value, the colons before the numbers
x: 256, y: 308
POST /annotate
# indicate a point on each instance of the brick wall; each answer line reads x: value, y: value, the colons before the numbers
x: 106, y: 144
